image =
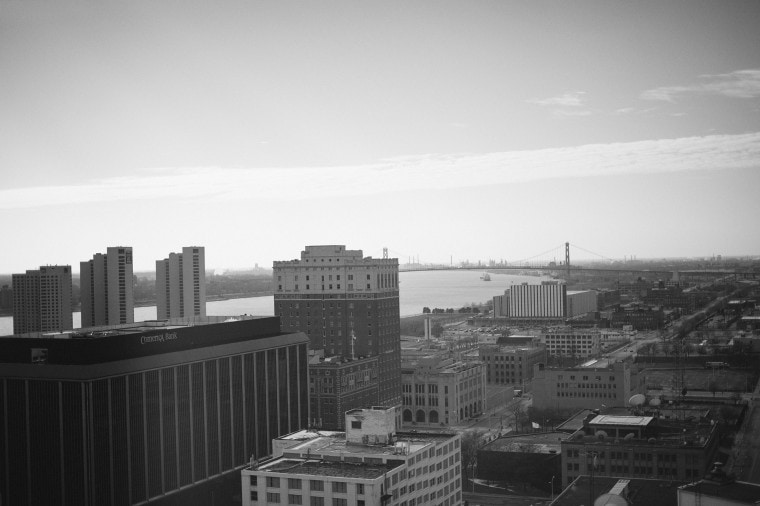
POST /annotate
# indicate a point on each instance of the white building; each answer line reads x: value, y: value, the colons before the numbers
x: 107, y: 288
x: 181, y: 284
x: 369, y: 464
x: 547, y: 300
x: 42, y: 300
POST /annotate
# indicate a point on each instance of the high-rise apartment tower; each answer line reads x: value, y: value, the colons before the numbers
x: 107, y: 288
x: 181, y: 284
x: 42, y: 300
x: 348, y: 305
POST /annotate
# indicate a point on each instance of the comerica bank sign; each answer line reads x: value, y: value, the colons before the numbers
x: 158, y: 338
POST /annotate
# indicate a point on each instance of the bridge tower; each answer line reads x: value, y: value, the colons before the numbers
x: 385, y: 253
x: 567, y: 258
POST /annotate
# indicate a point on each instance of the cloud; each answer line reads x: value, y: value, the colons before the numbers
x: 737, y: 84
x: 407, y: 173
x: 570, y: 99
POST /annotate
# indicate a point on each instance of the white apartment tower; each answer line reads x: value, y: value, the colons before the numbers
x: 347, y: 304
x: 42, y: 300
x: 181, y: 284
x: 107, y: 288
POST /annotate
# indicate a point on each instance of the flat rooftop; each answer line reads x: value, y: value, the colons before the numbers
x: 311, y: 467
x: 97, y: 345
x: 541, y: 442
x: 327, y: 443
x: 622, y: 420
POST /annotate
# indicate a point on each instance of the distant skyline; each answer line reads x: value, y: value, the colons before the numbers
x: 444, y: 130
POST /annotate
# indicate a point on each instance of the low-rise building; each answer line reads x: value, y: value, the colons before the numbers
x: 571, y: 342
x: 718, y: 488
x: 590, y: 385
x: 533, y: 458
x: 370, y: 464
x: 639, y: 447
x: 511, y: 365
x: 638, y: 316
x: 439, y: 390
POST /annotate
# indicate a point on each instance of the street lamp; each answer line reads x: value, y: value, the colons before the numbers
x: 552, y: 485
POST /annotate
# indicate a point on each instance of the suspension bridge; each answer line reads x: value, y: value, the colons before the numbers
x: 546, y: 261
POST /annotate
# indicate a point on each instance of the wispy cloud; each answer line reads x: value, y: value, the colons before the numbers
x: 409, y: 173
x: 570, y: 99
x: 737, y: 84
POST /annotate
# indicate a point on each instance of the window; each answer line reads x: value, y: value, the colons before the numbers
x: 339, y: 501
x: 254, y: 495
x: 295, y: 499
x: 360, y: 488
x: 317, y: 485
x: 339, y: 486
x: 273, y: 481
x: 317, y: 501
x: 273, y: 497
x: 356, y: 424
x: 294, y: 483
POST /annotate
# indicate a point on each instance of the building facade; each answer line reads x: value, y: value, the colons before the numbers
x: 139, y: 413
x: 107, y: 288
x: 573, y: 388
x: 348, y: 305
x: 581, y: 302
x: 639, y: 447
x: 547, y: 300
x: 42, y: 300
x: 337, y: 385
x: 368, y: 465
x: 511, y: 365
x: 439, y: 390
x: 181, y: 284
x: 571, y: 342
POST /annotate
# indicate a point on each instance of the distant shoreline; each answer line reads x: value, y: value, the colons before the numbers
x: 148, y: 303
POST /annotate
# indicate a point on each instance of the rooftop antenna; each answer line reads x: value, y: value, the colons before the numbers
x: 353, y: 341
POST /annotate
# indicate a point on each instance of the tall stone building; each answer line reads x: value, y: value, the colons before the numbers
x: 107, y: 288
x: 181, y: 284
x: 42, y: 300
x: 348, y: 305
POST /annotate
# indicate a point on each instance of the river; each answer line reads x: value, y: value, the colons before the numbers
x: 443, y: 289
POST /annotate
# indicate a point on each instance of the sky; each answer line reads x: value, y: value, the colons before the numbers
x: 441, y: 130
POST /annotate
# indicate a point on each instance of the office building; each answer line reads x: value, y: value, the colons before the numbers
x: 571, y: 342
x: 548, y: 301
x: 337, y: 385
x: 42, y: 300
x: 630, y: 446
x: 439, y: 390
x: 348, y: 305
x: 181, y: 284
x: 592, y: 385
x: 511, y: 365
x: 369, y: 465
x: 107, y: 289
x: 153, y: 412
